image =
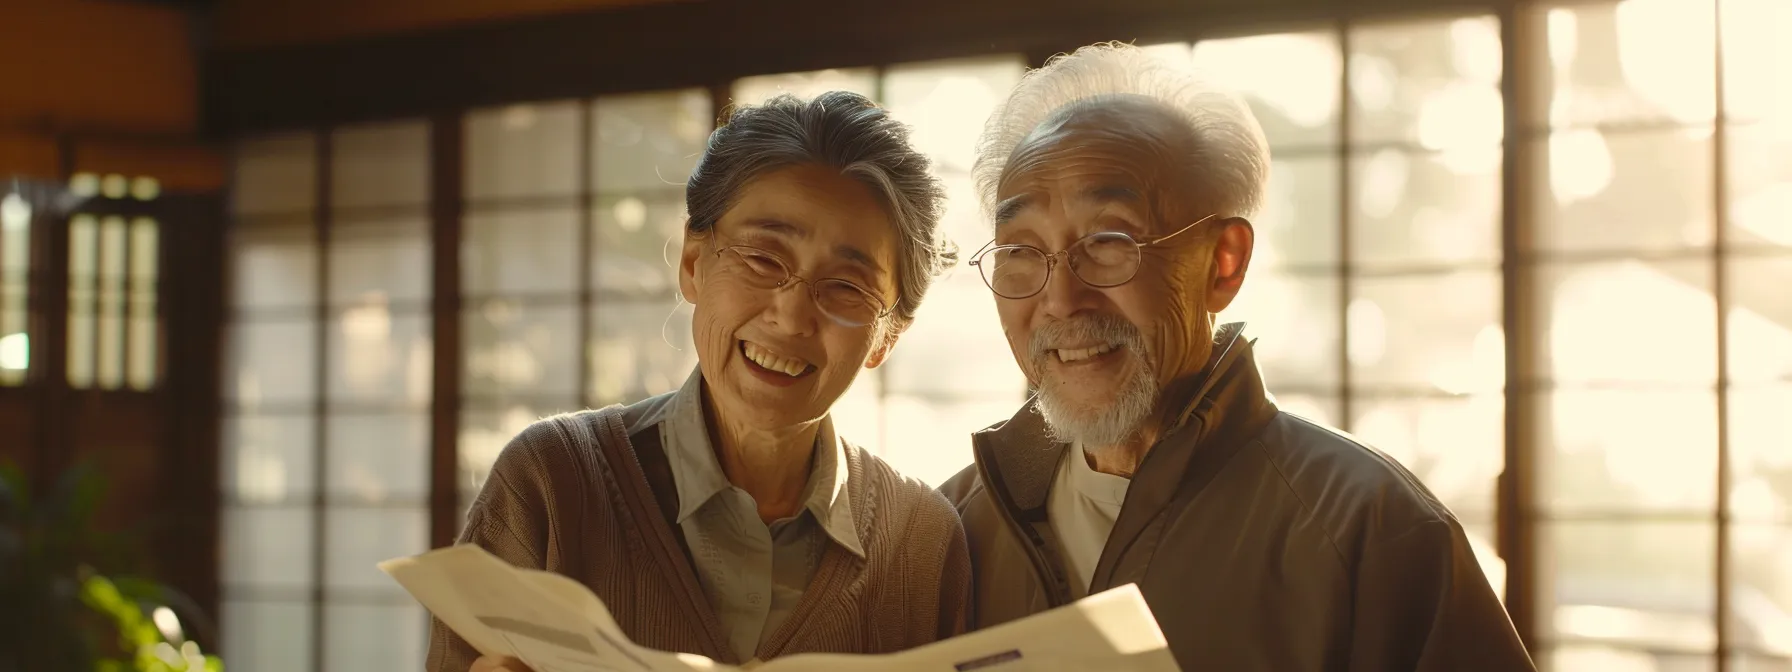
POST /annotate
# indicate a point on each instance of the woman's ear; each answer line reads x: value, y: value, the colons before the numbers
x: 694, y: 247
x: 881, y: 350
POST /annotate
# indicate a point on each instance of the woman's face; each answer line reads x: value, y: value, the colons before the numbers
x: 750, y: 340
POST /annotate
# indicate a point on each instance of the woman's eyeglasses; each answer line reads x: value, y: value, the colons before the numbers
x: 1104, y: 259
x: 845, y: 303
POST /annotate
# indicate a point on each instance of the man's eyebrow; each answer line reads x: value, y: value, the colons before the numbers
x: 1111, y: 193
x: 1008, y: 209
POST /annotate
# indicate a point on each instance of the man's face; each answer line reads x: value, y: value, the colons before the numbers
x: 1101, y: 356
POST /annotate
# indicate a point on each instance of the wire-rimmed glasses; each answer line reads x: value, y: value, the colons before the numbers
x: 845, y: 303
x: 1102, y: 259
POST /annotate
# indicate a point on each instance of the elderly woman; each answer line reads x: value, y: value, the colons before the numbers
x: 726, y: 518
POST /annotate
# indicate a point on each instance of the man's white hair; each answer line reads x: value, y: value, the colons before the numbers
x: 1230, y: 162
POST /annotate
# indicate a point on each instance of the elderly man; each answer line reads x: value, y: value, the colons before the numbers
x: 1152, y: 454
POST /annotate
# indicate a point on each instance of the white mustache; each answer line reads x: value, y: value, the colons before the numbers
x: 1096, y: 328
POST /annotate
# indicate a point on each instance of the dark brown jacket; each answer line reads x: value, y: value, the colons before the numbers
x: 587, y: 495
x: 1261, y: 541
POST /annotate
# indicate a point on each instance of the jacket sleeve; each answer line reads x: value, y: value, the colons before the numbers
x: 508, y: 519
x: 1423, y: 604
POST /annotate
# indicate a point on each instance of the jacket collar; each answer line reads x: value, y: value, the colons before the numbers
x: 1020, y: 457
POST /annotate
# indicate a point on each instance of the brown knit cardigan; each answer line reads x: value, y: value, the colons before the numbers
x: 580, y: 495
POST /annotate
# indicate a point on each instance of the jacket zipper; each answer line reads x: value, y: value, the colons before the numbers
x: 1056, y: 592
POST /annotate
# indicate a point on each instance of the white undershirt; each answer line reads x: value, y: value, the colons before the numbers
x: 1082, y: 508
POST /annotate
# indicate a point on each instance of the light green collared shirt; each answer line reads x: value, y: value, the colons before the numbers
x: 753, y: 573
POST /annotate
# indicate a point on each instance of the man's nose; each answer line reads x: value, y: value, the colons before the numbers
x: 1065, y: 294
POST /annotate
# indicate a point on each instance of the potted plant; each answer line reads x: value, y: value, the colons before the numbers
x: 60, y: 611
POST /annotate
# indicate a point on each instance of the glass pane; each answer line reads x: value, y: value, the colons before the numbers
x: 639, y: 238
x: 1456, y: 446
x: 1779, y: 661
x: 1428, y: 332
x: 15, y: 343
x: 486, y: 430
x: 267, y: 636
x: 1645, y: 585
x: 1426, y: 208
x: 267, y: 547
x: 360, y: 538
x: 1760, y: 318
x: 649, y: 142
x: 1756, y: 60
x: 929, y: 438
x: 1628, y: 321
x: 81, y: 337
x: 273, y: 266
x: 15, y: 236
x: 529, y: 252
x: 638, y: 349
x: 109, y: 367
x: 1760, y: 436
x: 1291, y: 80
x: 520, y: 349
x: 269, y: 459
x: 380, y: 165
x: 956, y: 346
x: 144, y: 339
x: 378, y: 356
x: 1483, y: 541
x: 1759, y: 183
x: 1321, y: 409
x: 1296, y: 317
x: 271, y: 362
x: 378, y: 458
x: 859, y: 413
x: 1630, y: 61
x: 1300, y: 221
x: 375, y: 637
x: 805, y: 85
x: 1608, y: 451
x: 1623, y: 191
x: 379, y: 262
x: 946, y: 102
x: 1433, y: 83
x: 1761, y: 589
x: 144, y: 244
x: 1627, y: 657
x: 522, y: 150
x: 275, y: 174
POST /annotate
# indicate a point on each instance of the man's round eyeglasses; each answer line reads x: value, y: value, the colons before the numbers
x: 845, y: 303
x: 1102, y: 259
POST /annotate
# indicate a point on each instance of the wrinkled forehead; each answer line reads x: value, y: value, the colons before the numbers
x: 1116, y: 143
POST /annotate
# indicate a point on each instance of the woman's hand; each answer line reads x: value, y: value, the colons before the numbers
x: 490, y: 664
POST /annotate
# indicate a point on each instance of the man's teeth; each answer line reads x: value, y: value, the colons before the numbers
x: 789, y: 366
x: 1081, y: 354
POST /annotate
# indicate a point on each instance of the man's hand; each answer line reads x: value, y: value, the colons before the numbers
x: 490, y: 664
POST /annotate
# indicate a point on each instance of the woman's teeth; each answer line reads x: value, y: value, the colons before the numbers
x: 789, y: 366
x: 1081, y: 354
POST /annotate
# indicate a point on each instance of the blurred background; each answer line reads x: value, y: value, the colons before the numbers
x: 286, y: 276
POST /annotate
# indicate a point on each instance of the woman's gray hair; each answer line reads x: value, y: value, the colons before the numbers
x: 847, y: 132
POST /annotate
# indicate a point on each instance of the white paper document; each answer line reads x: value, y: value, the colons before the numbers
x: 555, y: 624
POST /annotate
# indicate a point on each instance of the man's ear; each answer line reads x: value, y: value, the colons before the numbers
x: 694, y: 248
x: 1231, y: 259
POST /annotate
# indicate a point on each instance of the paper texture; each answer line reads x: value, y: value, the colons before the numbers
x: 555, y: 624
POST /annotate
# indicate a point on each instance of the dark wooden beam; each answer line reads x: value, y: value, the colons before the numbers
x: 698, y: 43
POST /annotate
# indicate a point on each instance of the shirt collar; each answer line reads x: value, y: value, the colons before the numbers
x: 698, y: 476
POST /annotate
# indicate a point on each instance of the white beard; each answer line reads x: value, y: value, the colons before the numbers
x: 1105, y: 425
